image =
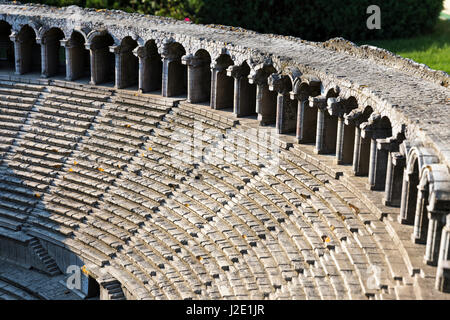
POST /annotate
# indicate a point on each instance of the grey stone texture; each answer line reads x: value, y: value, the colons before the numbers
x: 166, y: 196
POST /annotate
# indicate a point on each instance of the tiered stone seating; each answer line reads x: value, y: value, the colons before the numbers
x: 299, y: 180
x: 16, y: 103
x: 11, y: 292
x: 17, y: 283
x: 108, y: 178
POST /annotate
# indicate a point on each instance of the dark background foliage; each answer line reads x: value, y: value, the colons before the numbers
x: 307, y: 19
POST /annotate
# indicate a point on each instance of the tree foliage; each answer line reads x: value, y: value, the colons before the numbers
x: 308, y: 19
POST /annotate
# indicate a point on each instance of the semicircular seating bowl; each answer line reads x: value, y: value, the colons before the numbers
x: 164, y: 197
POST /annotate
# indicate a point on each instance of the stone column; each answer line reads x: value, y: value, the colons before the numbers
x: 244, y: 102
x: 95, y: 74
x: 44, y: 57
x: 340, y: 140
x: 443, y: 269
x: 356, y: 150
x: 286, y: 118
x: 222, y: 87
x: 75, y: 63
x: 49, y: 55
x: 20, y: 68
x: 119, y: 82
x: 394, y: 179
x: 379, y: 151
x: 302, y: 108
x: 198, y: 88
x: 265, y: 103
x: 320, y: 103
x: 150, y: 70
x: 421, y: 217
x: 68, y: 47
x: 172, y: 67
x: 436, y: 221
x: 141, y: 53
x: 406, y: 205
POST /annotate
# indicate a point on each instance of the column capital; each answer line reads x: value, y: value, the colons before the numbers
x: 115, y: 49
x: 170, y: 52
x: 14, y: 36
x: 439, y: 215
x: 388, y: 144
x: 216, y: 66
x: 369, y: 128
x: 236, y: 72
x: 191, y: 61
x: 334, y: 107
x: 299, y: 96
x: 398, y: 159
x: 140, y: 52
x: 320, y: 102
x: 258, y: 77
x: 279, y: 83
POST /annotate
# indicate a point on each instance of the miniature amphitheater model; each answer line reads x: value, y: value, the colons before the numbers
x: 147, y: 158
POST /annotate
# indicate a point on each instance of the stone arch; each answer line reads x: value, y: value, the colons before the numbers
x: 329, y: 125
x: 27, y: 51
x: 77, y: 56
x: 345, y: 137
x: 102, y: 60
x: 127, y: 64
x: 198, y: 76
x: 418, y: 157
x: 150, y: 67
x: 433, y: 205
x: 244, y: 102
x: 6, y: 47
x: 222, y: 86
x: 53, y: 55
x: 265, y: 99
x: 304, y: 87
x: 286, y: 108
x: 379, y: 129
x: 394, y: 175
x: 361, y: 149
x: 174, y: 79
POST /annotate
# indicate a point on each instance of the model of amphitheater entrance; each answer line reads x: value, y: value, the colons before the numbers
x: 158, y: 159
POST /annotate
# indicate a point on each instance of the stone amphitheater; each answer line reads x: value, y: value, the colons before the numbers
x: 159, y: 159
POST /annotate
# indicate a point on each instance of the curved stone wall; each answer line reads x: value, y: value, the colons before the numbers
x: 375, y: 121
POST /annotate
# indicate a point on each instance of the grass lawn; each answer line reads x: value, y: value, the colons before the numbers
x: 431, y: 49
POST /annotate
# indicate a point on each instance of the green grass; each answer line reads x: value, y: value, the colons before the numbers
x: 431, y: 49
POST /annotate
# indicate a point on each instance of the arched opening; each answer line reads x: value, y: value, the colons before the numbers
x: 54, y: 53
x: 150, y: 68
x: 174, y: 72
x: 29, y: 59
x: 77, y: 57
x: 306, y: 115
x: 127, y: 66
x: 421, y: 214
x: 102, y: 60
x: 347, y: 137
x: 394, y: 179
x: 409, y: 193
x: 93, y: 292
x: 6, y: 47
x: 286, y: 117
x: 379, y: 152
x: 330, y: 124
x: 244, y: 103
x: 199, y: 76
x: 222, y: 86
x: 361, y: 152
